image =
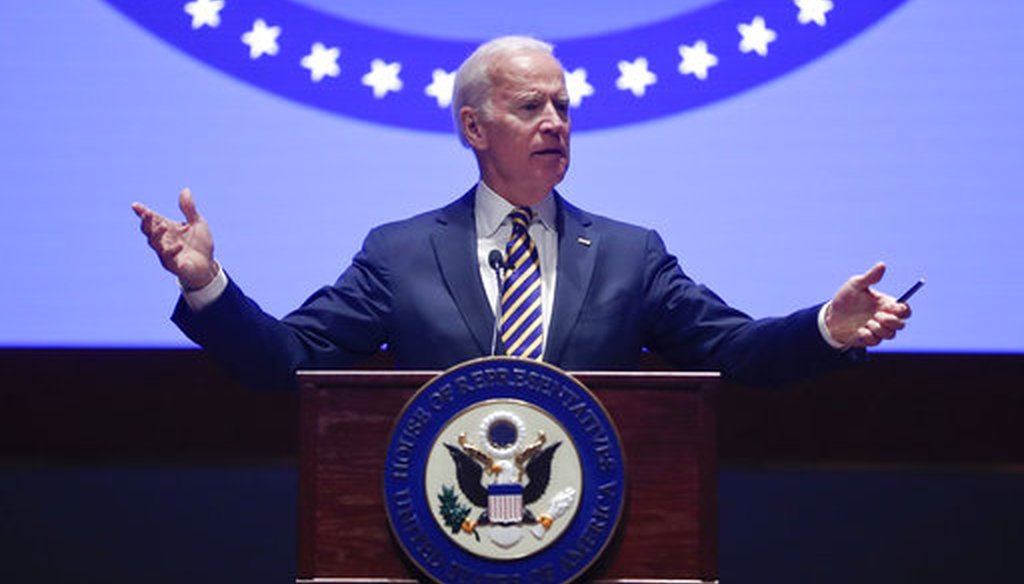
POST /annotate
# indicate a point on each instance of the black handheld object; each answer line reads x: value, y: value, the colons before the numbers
x: 911, y: 291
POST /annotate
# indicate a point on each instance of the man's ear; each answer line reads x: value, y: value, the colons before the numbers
x: 472, y: 128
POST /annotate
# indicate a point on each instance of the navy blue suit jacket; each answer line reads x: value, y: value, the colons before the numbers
x: 415, y: 287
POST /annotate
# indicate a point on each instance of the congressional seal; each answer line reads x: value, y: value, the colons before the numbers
x: 504, y: 470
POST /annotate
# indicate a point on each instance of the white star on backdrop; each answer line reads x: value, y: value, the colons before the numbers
x: 635, y: 77
x: 442, y: 87
x: 383, y: 77
x: 322, y: 62
x: 756, y: 36
x: 204, y: 13
x: 696, y: 60
x: 813, y: 11
x: 262, y: 39
x: 577, y: 86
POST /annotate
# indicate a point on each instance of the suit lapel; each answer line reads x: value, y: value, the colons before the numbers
x: 577, y: 254
x: 454, y: 242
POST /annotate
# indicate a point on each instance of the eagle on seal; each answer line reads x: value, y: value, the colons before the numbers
x: 471, y: 463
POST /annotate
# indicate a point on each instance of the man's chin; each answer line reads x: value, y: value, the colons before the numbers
x: 556, y: 177
x: 556, y: 167
x: 562, y: 172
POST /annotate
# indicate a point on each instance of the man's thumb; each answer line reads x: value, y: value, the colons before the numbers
x: 188, y: 206
x: 870, y: 277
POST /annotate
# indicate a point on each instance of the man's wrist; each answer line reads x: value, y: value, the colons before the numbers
x: 823, y: 328
x: 208, y: 294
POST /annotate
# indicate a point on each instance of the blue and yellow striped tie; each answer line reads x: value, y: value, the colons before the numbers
x: 522, y: 331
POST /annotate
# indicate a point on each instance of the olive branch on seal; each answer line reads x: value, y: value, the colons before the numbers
x: 454, y: 512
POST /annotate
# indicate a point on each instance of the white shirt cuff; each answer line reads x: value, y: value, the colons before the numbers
x: 207, y: 295
x: 823, y: 329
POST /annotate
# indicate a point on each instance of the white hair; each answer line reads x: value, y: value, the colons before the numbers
x: 473, y: 79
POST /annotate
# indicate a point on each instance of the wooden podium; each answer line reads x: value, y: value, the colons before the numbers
x: 666, y: 421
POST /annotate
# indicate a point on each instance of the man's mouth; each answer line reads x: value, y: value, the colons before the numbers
x: 549, y: 152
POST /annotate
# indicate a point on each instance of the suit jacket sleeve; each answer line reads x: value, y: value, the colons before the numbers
x: 337, y: 327
x: 692, y: 327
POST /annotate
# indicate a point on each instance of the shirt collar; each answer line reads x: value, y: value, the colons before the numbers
x: 492, y: 209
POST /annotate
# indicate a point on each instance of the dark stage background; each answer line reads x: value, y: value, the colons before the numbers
x: 124, y: 465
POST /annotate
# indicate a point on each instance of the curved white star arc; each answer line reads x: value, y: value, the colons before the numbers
x: 383, y: 78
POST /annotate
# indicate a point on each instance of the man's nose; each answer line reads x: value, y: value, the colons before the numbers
x: 554, y: 120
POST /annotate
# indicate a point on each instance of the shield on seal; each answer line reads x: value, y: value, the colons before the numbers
x: 505, y: 503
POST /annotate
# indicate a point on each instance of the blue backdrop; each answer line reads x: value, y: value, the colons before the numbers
x: 890, y: 132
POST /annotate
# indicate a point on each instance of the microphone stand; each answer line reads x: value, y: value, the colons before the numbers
x: 497, y: 263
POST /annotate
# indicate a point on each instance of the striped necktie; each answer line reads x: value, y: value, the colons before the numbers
x: 522, y: 332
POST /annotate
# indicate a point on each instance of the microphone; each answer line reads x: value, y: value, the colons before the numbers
x: 497, y: 263
x: 496, y: 259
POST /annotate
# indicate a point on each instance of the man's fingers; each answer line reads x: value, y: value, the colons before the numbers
x: 889, y: 305
x: 881, y: 331
x: 153, y: 224
x: 865, y: 338
x: 903, y: 310
x: 151, y: 220
x: 140, y: 209
x: 889, y: 320
x: 172, y: 249
x: 146, y: 216
x: 881, y: 328
x: 188, y: 206
x: 163, y: 234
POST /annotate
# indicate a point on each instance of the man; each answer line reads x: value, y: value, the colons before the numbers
x: 594, y: 292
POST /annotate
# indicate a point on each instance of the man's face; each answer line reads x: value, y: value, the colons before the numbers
x: 523, y: 145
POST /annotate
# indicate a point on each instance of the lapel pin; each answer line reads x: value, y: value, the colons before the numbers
x: 583, y: 241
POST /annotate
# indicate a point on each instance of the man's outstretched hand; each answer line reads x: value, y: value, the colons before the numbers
x: 185, y: 249
x: 861, y: 317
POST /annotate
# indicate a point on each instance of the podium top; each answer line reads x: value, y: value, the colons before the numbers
x: 648, y: 379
